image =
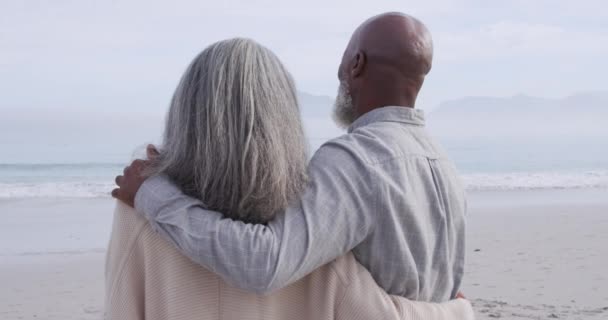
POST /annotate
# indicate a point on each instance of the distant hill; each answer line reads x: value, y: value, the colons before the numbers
x: 110, y: 135
x: 580, y: 101
x: 90, y: 134
x: 313, y: 106
x: 520, y: 116
x: 582, y: 114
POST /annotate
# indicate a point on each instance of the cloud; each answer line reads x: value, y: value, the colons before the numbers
x: 519, y: 40
x: 71, y: 52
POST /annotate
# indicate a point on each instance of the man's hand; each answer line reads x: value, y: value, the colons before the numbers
x: 130, y: 182
x: 132, y: 179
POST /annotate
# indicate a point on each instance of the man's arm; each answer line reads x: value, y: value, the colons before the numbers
x: 335, y: 213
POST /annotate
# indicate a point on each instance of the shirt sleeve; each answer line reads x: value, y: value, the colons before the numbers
x: 334, y: 214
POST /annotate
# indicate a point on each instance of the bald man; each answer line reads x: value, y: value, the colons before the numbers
x: 384, y: 190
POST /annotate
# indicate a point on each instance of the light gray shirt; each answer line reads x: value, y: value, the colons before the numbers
x: 385, y: 191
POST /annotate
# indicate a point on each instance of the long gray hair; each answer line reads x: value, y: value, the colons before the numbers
x: 233, y: 135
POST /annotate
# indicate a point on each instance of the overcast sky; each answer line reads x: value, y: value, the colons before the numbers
x: 130, y: 54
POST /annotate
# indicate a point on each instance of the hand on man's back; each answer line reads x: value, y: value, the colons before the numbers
x: 132, y: 179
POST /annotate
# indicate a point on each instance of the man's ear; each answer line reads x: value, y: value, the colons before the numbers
x: 358, y: 64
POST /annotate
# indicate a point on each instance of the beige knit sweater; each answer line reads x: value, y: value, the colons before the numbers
x: 147, y: 278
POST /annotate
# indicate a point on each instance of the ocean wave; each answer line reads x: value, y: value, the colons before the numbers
x: 473, y: 182
x: 536, y: 180
x: 56, y: 190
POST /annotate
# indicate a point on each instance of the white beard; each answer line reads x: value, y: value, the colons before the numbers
x: 344, y: 111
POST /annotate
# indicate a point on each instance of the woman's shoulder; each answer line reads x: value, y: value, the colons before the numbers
x: 126, y: 220
x: 127, y: 226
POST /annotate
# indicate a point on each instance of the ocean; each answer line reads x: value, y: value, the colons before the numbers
x: 489, y: 165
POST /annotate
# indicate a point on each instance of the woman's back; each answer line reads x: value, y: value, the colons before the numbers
x: 147, y: 278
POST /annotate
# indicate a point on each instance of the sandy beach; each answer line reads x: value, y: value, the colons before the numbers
x: 538, y: 254
x: 531, y: 255
x: 52, y: 258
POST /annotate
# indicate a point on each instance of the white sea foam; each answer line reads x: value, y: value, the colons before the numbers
x: 536, y: 180
x: 56, y: 190
x: 475, y: 182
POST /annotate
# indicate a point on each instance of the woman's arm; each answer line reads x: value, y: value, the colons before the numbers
x: 124, y: 292
x: 364, y: 300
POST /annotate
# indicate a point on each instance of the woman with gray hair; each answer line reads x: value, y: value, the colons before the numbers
x: 234, y: 140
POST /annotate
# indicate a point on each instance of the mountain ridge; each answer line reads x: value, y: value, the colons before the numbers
x: 579, y: 114
x: 589, y: 99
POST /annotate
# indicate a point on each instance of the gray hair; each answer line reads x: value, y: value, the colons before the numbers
x: 233, y: 136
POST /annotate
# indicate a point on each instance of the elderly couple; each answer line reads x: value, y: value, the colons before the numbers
x: 232, y: 222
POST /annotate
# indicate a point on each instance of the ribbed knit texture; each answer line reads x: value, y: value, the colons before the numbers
x: 147, y: 278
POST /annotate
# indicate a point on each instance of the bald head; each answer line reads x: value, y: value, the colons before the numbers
x: 385, y: 63
x: 397, y: 40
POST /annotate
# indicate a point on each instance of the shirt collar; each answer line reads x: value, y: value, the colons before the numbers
x: 390, y: 114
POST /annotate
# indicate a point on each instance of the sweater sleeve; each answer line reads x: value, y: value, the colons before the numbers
x: 363, y: 299
x: 125, y: 291
x: 417, y: 310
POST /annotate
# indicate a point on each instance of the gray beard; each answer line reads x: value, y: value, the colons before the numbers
x: 344, y: 111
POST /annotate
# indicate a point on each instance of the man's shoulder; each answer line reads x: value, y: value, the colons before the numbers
x: 343, y: 151
x: 377, y: 143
